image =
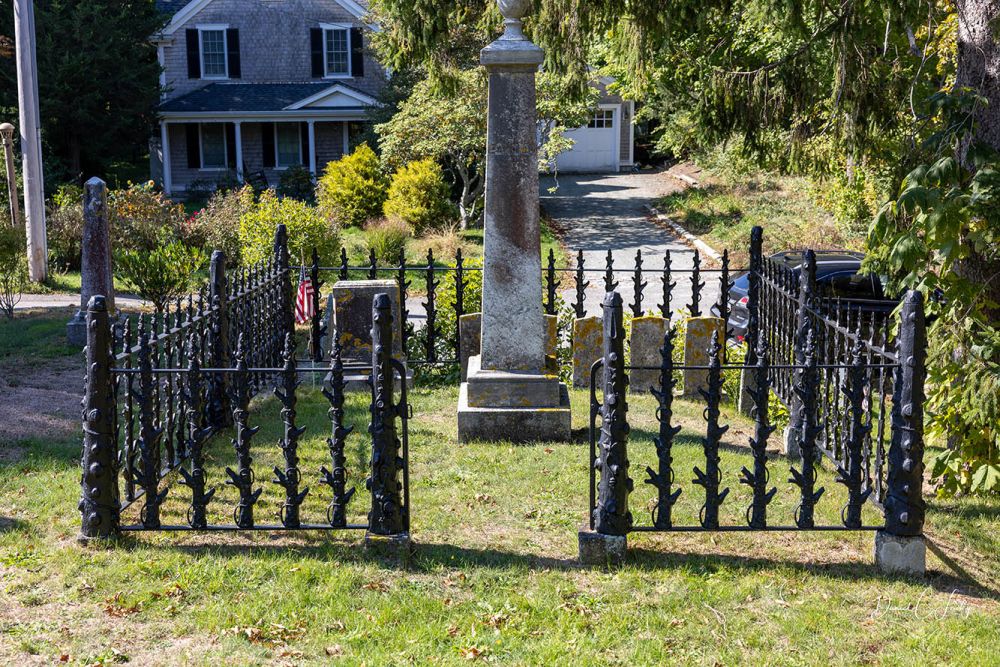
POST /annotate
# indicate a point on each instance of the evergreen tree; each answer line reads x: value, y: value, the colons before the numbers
x: 98, y: 81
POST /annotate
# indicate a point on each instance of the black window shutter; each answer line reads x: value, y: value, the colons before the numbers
x: 316, y: 37
x: 193, y: 146
x: 233, y: 51
x: 304, y: 135
x: 267, y: 144
x: 231, y: 145
x: 194, y: 55
x: 357, y: 53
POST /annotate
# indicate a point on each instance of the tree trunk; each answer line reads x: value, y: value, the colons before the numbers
x: 979, y: 69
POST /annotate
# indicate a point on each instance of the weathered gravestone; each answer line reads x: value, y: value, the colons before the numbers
x: 349, y: 310
x: 696, y: 343
x: 588, y: 346
x: 645, y: 344
x: 470, y: 330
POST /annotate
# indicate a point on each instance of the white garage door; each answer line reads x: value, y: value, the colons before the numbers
x: 596, y: 147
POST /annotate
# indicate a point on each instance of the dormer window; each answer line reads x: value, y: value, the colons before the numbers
x: 337, y: 50
x: 214, y: 60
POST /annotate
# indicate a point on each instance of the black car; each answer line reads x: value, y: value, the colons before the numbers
x: 836, y: 272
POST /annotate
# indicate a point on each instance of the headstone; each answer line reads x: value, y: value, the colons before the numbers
x: 588, y: 343
x: 511, y: 393
x: 552, y: 342
x: 349, y: 308
x: 645, y: 345
x: 469, y: 330
x: 696, y: 343
x: 96, y: 276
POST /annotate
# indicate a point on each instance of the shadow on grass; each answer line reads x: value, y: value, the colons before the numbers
x: 428, y: 558
x: 987, y: 511
x: 9, y: 525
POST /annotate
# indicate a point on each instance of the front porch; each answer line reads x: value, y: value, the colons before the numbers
x: 231, y: 131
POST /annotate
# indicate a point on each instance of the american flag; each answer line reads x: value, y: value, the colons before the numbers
x: 304, y: 307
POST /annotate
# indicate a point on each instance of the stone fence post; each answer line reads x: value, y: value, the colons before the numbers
x: 96, y: 270
x: 99, y: 500
x: 900, y: 546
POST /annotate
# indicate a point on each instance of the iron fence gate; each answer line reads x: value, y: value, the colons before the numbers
x: 153, y: 404
x: 857, y: 398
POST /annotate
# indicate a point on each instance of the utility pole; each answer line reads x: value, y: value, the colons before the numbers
x: 31, y: 139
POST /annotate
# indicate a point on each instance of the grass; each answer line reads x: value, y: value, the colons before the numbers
x: 34, y: 336
x: 494, y: 576
x: 724, y: 211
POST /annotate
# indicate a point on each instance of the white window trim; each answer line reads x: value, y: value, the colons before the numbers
x: 346, y: 27
x: 225, y: 147
x: 277, y: 153
x: 212, y: 27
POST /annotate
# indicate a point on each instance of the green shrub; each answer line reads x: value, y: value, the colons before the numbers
x: 217, y: 226
x: 387, y: 238
x: 64, y: 227
x: 352, y: 190
x: 418, y: 196
x: 139, y: 214
x: 306, y: 229
x: 161, y: 274
x: 297, y: 183
x: 13, y: 268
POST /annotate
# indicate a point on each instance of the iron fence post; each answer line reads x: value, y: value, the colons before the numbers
x: 342, y: 272
x: 317, y: 328
x: 752, y: 336
x: 289, y: 478
x: 637, y: 285
x: 286, y: 318
x: 758, y: 479
x: 694, y: 309
x: 243, y: 477
x: 386, y: 517
x: 852, y: 474
x: 460, y: 286
x: 581, y: 285
x: 667, y: 286
x: 195, y: 479
x: 904, y: 503
x: 612, y: 516
x: 663, y: 478
x: 711, y: 478
x: 99, y: 501
x: 406, y: 330
x: 336, y: 513
x: 218, y: 295
x: 551, y: 283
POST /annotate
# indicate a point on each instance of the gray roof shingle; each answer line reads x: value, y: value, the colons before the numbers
x: 171, y: 7
x: 246, y: 97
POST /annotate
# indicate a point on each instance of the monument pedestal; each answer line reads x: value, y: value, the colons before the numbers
x: 512, y: 406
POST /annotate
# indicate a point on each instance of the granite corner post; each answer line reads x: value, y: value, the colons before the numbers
x: 509, y: 393
x: 96, y: 270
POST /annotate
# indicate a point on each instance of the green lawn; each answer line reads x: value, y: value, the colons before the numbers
x: 494, y: 576
x: 724, y: 211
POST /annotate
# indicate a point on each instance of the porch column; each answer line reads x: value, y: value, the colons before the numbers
x: 239, y: 150
x: 312, y: 146
x: 168, y: 180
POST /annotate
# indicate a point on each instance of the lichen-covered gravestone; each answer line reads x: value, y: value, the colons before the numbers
x: 469, y: 331
x: 588, y: 343
x: 349, y: 308
x: 646, y: 341
x: 696, y: 343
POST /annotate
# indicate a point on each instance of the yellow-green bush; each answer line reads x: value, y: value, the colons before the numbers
x: 306, y: 229
x: 217, y: 226
x: 352, y: 190
x: 387, y: 237
x: 418, y: 196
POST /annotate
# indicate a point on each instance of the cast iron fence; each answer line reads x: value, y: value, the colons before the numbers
x: 435, y: 346
x: 153, y: 404
x: 843, y: 384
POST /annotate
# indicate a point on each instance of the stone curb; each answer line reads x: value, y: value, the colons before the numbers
x: 688, y: 236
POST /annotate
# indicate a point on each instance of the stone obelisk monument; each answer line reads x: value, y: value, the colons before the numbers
x: 513, y: 392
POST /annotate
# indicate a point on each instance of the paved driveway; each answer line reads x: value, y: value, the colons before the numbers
x: 605, y: 211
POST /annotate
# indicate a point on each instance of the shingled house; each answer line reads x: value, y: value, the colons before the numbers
x: 258, y: 86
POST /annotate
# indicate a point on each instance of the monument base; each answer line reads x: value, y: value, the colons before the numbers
x: 76, y: 330
x: 514, y: 424
x: 896, y: 554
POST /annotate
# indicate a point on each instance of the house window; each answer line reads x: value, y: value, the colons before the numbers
x: 337, y: 51
x: 288, y: 144
x: 214, y: 58
x: 603, y: 119
x: 213, y: 146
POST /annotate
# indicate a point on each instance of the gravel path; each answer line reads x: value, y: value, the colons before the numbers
x: 598, y: 212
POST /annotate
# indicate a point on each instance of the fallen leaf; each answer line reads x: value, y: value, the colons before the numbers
x: 549, y: 450
x: 472, y: 653
x: 452, y: 630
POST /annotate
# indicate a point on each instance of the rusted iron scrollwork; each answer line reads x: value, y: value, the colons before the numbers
x: 336, y: 514
x: 243, y: 478
x: 711, y: 478
x: 289, y: 478
x: 99, y: 500
x: 387, y: 512
x: 663, y: 478
x: 612, y: 516
x: 195, y: 478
